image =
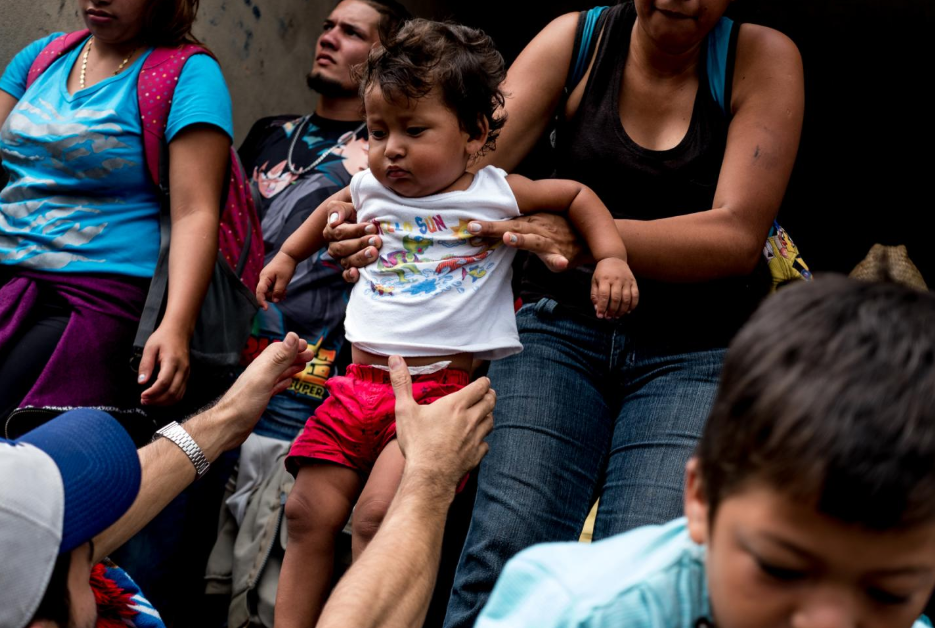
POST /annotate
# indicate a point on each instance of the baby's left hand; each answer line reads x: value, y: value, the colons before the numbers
x: 613, y: 288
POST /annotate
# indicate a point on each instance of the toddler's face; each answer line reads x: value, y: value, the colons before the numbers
x: 775, y: 562
x: 416, y: 148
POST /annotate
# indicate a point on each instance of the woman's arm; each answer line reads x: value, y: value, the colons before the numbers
x: 768, y: 105
x: 533, y: 89
x: 727, y: 240
x: 198, y: 157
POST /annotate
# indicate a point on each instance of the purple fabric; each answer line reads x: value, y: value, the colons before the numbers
x: 90, y: 365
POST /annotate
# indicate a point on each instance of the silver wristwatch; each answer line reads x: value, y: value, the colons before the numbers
x: 174, y: 432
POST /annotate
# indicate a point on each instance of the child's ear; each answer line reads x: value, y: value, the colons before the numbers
x: 476, y: 143
x: 696, y: 504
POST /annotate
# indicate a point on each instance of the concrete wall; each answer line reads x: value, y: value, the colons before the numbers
x: 265, y: 46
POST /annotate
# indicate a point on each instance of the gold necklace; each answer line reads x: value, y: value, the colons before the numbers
x: 84, y: 62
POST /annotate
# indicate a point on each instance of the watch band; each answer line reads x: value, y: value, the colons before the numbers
x: 174, y: 432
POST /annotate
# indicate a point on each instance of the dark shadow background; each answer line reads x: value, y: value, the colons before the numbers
x: 865, y: 158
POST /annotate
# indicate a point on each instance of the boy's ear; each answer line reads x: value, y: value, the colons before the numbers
x: 476, y: 143
x: 696, y: 504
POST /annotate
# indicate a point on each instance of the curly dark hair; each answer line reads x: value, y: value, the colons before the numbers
x: 460, y: 61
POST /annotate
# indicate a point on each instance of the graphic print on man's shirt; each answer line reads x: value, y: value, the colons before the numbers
x: 425, y: 265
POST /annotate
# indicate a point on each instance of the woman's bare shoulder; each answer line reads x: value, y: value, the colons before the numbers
x: 767, y: 61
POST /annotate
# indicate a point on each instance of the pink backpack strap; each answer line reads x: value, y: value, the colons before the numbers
x: 55, y: 49
x: 155, y: 89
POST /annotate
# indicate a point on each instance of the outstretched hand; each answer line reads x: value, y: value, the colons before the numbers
x: 269, y: 374
x: 443, y: 440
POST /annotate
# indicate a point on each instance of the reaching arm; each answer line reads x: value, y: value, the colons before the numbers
x: 197, y: 163
x: 166, y: 468
x: 441, y: 442
x: 533, y: 88
x: 303, y: 242
x: 727, y: 240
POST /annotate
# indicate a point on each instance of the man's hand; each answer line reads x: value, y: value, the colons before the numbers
x: 444, y: 440
x: 269, y: 374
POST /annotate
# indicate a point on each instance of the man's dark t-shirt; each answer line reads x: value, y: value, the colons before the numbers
x: 317, y: 295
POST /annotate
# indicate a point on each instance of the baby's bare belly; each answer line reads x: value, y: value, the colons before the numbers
x: 462, y: 361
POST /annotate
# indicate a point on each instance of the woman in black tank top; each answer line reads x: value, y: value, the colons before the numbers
x: 594, y: 409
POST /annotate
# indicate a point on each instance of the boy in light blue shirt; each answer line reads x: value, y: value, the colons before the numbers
x: 810, y: 502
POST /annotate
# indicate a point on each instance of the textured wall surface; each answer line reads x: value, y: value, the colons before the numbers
x: 265, y: 46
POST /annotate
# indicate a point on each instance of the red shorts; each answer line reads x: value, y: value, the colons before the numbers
x: 357, y: 421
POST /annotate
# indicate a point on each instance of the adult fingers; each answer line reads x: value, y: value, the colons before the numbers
x: 351, y: 275
x: 347, y: 231
x: 147, y: 362
x: 539, y: 245
x: 154, y: 393
x: 350, y: 252
x: 402, y: 383
x: 340, y: 213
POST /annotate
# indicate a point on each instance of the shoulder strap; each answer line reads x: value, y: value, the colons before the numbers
x: 155, y: 89
x: 722, y: 42
x: 56, y: 48
x: 590, y: 24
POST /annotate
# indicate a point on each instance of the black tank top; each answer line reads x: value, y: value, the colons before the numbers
x: 642, y: 184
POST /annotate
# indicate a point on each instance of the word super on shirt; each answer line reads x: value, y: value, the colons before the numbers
x: 79, y: 197
x: 436, y: 288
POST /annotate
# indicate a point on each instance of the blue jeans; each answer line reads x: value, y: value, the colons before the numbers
x: 585, y: 411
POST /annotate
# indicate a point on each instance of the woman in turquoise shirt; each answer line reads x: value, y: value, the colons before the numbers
x: 79, y: 218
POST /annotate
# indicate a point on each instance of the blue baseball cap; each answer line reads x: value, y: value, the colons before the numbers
x: 62, y: 484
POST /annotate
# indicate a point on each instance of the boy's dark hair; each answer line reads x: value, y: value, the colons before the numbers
x: 828, y: 396
x: 460, y: 61
x: 392, y: 14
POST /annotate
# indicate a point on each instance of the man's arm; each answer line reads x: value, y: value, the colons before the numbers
x: 167, y: 471
x: 391, y: 583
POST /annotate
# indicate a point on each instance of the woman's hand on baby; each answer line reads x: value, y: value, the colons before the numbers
x: 548, y: 235
x: 166, y: 348
x: 274, y: 278
x: 352, y: 245
x: 613, y: 288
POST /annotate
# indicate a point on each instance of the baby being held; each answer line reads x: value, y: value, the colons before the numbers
x: 438, y: 295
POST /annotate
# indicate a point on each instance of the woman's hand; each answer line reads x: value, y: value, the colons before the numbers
x: 548, y: 235
x: 352, y: 245
x: 166, y: 348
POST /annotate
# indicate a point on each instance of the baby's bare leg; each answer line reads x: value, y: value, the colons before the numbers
x: 316, y: 511
x: 376, y: 497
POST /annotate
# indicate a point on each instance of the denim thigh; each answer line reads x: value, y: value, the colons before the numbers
x: 666, y: 398
x: 548, y: 447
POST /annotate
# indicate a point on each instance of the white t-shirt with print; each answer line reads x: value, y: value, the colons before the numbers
x: 436, y: 289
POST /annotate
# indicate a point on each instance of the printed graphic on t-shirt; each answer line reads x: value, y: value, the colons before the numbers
x: 426, y: 264
x: 317, y: 295
x: 65, y: 174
